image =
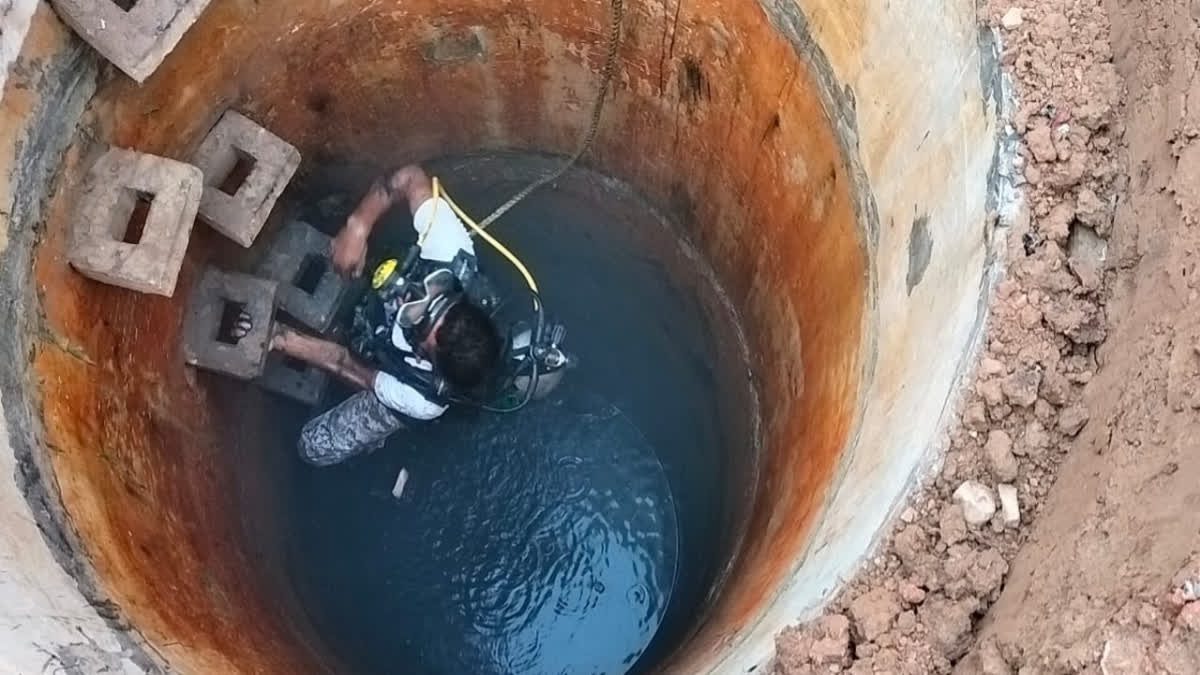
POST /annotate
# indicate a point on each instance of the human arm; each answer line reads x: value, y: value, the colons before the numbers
x: 328, y: 356
x: 409, y: 184
x: 337, y: 360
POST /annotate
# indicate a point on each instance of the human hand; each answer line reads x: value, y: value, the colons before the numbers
x: 280, y: 339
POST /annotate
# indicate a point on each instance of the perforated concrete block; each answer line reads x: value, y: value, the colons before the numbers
x: 215, y: 305
x: 245, y: 170
x: 310, y: 289
x: 136, y: 35
x: 296, y: 380
x: 134, y: 219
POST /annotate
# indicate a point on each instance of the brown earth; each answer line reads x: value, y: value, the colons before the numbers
x: 1085, y: 401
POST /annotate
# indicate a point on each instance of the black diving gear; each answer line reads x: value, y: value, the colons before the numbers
x: 406, y: 300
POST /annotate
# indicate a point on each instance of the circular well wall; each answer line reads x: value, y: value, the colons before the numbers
x: 719, y: 116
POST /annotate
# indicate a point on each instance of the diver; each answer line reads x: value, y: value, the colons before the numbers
x: 423, y: 336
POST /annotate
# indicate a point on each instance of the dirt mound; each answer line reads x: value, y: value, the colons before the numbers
x: 1061, y: 532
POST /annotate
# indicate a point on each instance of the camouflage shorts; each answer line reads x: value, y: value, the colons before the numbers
x: 361, y: 423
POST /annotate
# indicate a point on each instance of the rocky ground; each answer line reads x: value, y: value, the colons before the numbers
x: 1084, y: 402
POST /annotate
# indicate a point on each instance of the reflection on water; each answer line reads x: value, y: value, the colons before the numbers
x: 544, y: 542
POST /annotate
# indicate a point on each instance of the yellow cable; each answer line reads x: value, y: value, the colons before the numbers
x: 486, y: 237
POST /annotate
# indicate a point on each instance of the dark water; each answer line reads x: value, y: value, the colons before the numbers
x: 544, y: 543
x: 578, y: 536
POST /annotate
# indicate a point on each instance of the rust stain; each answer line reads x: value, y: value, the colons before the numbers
x: 712, y: 116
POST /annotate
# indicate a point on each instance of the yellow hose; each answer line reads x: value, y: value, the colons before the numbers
x: 495, y: 243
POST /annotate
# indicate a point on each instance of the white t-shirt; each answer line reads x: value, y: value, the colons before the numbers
x: 447, y: 235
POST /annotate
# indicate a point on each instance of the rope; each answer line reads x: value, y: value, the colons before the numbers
x: 606, y: 77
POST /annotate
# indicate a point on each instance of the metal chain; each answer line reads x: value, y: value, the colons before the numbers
x: 610, y: 67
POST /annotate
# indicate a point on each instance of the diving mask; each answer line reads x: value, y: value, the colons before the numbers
x: 441, y: 294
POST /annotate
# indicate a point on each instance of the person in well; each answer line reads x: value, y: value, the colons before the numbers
x: 440, y: 345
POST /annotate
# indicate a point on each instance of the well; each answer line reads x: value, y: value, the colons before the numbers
x: 830, y: 160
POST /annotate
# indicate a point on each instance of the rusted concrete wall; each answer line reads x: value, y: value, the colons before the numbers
x: 46, y: 624
x: 830, y: 158
x: 925, y: 90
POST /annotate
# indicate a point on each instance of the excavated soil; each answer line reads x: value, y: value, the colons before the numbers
x: 1084, y: 403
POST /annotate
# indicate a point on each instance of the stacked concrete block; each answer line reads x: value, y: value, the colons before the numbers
x: 310, y: 289
x: 134, y: 220
x: 245, y: 168
x: 136, y: 35
x: 216, y: 304
x: 294, y: 379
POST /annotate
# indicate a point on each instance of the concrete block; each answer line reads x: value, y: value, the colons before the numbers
x: 245, y: 170
x: 294, y: 379
x: 134, y: 220
x: 215, y: 305
x: 310, y: 289
x: 136, y: 35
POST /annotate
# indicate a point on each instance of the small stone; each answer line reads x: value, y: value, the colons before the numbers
x: 1086, y: 255
x: 950, y: 468
x: 1010, y: 507
x: 1091, y: 211
x: 1072, y: 420
x: 1043, y: 411
x: 1036, y: 438
x: 977, y: 503
x: 833, y: 644
x: 1041, y: 143
x: 952, y: 525
x: 873, y: 613
x: 975, y: 417
x: 1022, y: 387
x: 991, y: 368
x: 909, y: 515
x: 1057, y: 225
x: 991, y: 393
x: 1056, y: 388
x: 987, y: 572
x: 956, y: 563
x: 999, y: 452
x: 911, y: 545
x: 1189, y: 617
x: 912, y: 593
x: 1013, y: 18
x: 1030, y: 317
x: 1080, y: 320
x: 948, y: 624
